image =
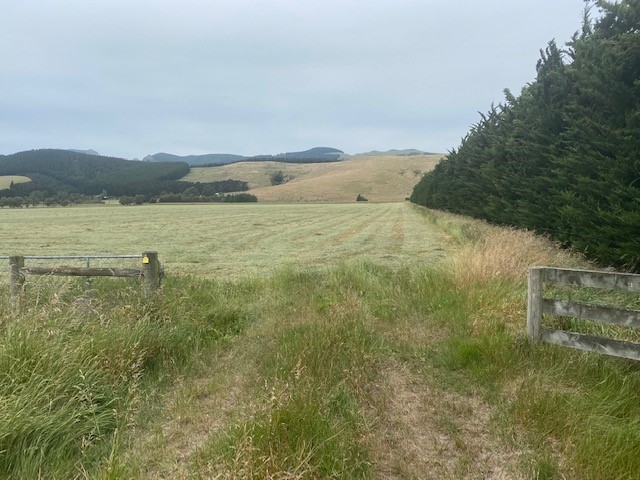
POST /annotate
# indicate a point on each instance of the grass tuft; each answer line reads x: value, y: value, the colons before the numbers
x: 69, y: 382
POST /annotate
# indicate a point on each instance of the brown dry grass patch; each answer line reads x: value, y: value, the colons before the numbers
x: 428, y: 433
x: 192, y: 411
x: 6, y: 180
x: 507, y: 253
x: 378, y: 178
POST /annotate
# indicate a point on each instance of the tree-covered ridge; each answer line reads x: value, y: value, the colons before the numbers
x: 563, y: 157
x: 63, y: 171
x: 313, y: 155
x: 207, y: 159
x: 61, y: 164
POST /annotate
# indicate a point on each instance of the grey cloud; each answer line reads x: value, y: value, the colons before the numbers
x: 255, y: 76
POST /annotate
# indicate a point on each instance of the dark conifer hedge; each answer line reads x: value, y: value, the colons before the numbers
x: 563, y: 157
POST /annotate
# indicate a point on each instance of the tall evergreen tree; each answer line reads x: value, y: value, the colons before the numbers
x: 563, y: 156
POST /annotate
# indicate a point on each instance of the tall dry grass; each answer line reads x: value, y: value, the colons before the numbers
x: 507, y: 254
x: 578, y: 411
x: 481, y: 252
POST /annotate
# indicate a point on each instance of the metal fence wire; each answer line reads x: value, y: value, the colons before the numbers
x: 91, y: 294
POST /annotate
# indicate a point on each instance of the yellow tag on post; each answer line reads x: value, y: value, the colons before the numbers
x: 145, y: 259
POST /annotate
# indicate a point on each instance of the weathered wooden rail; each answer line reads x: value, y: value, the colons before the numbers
x: 150, y: 273
x: 538, y: 305
x: 82, y: 272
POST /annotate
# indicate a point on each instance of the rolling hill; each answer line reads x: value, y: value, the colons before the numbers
x: 317, y: 154
x: 408, y: 152
x: 86, y: 152
x: 302, y: 177
x: 378, y: 178
x: 207, y: 159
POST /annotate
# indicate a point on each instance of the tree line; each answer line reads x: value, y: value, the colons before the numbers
x: 38, y: 198
x: 276, y: 158
x: 563, y: 157
x: 222, y: 198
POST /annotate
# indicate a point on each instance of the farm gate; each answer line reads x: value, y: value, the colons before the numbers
x: 148, y: 271
x: 539, y: 305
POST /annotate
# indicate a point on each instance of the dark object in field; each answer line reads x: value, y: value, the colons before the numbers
x: 360, y: 198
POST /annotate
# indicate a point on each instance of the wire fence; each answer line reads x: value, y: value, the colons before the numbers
x: 90, y: 294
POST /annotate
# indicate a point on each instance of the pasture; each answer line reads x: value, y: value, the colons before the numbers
x: 379, y: 178
x: 227, y: 240
x: 5, y: 180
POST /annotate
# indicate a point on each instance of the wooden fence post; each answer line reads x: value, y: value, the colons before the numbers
x: 16, y: 262
x: 534, y: 303
x: 150, y: 275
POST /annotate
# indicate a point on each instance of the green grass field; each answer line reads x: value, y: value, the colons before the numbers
x: 226, y: 240
x: 312, y: 341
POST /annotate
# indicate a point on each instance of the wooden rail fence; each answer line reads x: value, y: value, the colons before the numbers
x: 538, y: 305
x: 150, y: 273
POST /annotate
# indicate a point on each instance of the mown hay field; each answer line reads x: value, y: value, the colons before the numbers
x: 226, y: 240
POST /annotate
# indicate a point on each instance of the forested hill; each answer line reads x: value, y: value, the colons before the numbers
x: 207, y: 159
x: 55, y: 171
x: 313, y: 155
x: 563, y: 157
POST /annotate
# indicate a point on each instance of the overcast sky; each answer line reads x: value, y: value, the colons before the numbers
x: 134, y: 77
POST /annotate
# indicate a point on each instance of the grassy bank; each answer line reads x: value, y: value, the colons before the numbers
x: 353, y: 370
x: 73, y: 379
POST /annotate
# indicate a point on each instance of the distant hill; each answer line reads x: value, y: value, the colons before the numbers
x: 86, y: 152
x: 208, y: 159
x: 409, y: 152
x: 317, y: 153
x: 313, y: 155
